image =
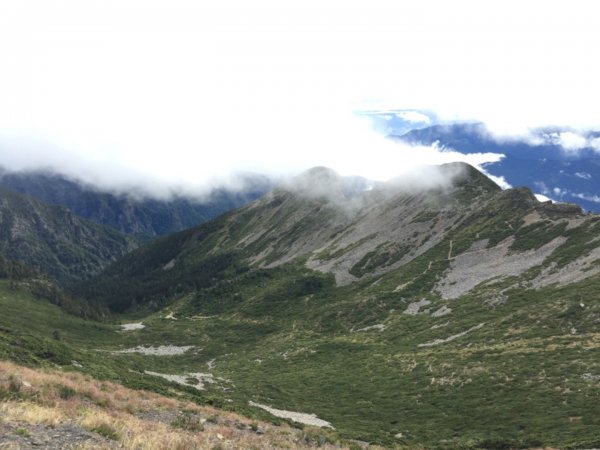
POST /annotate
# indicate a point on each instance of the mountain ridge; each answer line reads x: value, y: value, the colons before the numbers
x: 370, y: 234
x: 134, y: 215
x: 54, y: 240
x: 265, y: 232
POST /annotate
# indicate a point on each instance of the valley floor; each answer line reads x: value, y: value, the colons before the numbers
x: 519, y: 374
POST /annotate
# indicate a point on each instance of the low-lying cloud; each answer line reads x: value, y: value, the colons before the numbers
x: 571, y: 142
x: 192, y: 162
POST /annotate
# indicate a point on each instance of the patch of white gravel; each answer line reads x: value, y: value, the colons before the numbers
x: 451, y: 338
x: 477, y: 265
x: 531, y: 218
x: 306, y: 419
x: 161, y: 350
x: 132, y: 326
x: 574, y: 223
x: 496, y: 300
x: 196, y: 380
x: 479, y: 245
x: 402, y: 286
x: 590, y: 377
x: 378, y: 327
x: 414, y: 308
x: 169, y: 265
x: 580, y: 269
x: 443, y: 311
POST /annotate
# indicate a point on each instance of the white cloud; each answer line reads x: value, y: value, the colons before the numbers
x: 183, y: 93
x: 583, y: 175
x: 542, y: 187
x: 543, y: 198
x: 178, y: 165
x: 589, y: 197
x: 570, y: 141
x: 414, y: 117
x: 499, y: 180
x: 595, y: 144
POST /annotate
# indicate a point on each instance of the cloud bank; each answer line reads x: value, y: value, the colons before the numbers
x: 184, y: 95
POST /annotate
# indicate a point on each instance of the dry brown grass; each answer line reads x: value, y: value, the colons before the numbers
x: 130, y: 418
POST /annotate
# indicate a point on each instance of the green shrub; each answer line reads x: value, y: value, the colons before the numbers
x: 14, y: 385
x: 66, y: 392
x: 106, y: 431
x: 317, y: 437
x: 188, y: 422
x: 22, y: 432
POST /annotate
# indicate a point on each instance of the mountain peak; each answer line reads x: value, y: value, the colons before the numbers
x: 320, y: 172
x: 325, y: 183
x: 463, y: 174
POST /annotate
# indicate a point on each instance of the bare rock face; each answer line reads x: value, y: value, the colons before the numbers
x: 414, y: 308
x: 476, y: 266
x: 584, y: 267
x: 352, y: 229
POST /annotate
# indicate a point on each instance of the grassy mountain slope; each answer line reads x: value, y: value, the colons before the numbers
x: 452, y: 316
x: 336, y: 230
x: 22, y: 277
x: 54, y: 406
x: 54, y: 240
x: 128, y: 214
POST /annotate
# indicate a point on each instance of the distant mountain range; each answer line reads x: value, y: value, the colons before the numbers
x: 546, y: 166
x: 131, y: 215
